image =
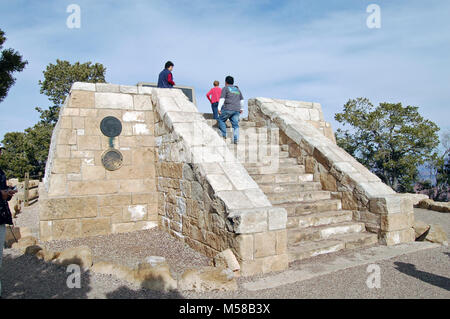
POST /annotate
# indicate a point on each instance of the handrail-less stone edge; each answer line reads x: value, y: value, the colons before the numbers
x: 248, y: 212
x: 393, y: 212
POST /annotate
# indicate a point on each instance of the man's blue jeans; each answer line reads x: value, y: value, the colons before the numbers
x: 215, y: 110
x: 233, y: 116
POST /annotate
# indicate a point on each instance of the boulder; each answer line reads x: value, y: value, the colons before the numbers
x: 226, y: 259
x: 440, y: 207
x: 33, y: 250
x: 420, y: 228
x: 417, y: 198
x: 81, y: 256
x: 46, y: 255
x: 118, y: 271
x: 425, y: 204
x: 437, y: 235
x: 156, y: 277
x: 208, y: 279
x: 24, y: 242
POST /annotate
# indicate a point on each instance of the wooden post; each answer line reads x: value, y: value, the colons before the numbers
x: 25, y: 189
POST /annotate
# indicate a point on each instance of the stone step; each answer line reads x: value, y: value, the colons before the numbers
x: 242, y: 123
x: 288, y: 197
x: 324, y: 232
x: 319, y: 219
x: 308, y: 249
x: 307, y: 207
x: 271, y: 161
x: 282, y: 178
x: 277, y: 169
x: 289, y: 187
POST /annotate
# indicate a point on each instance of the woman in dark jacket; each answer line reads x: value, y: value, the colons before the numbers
x: 5, y: 214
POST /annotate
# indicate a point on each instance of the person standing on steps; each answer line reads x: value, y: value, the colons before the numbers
x: 231, y: 106
x: 214, y: 96
x: 165, y: 79
x: 6, y: 193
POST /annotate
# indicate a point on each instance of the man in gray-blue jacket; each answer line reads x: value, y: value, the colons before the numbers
x: 231, y: 106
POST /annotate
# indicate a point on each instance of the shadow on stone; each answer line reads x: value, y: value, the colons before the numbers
x: 432, y: 279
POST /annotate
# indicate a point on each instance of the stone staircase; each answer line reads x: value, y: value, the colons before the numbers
x: 316, y: 224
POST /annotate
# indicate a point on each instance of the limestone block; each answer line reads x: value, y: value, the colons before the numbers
x: 66, y: 229
x: 67, y: 208
x: 66, y: 166
x: 247, y: 221
x: 238, y: 176
x: 265, y: 244
x: 437, y: 235
x: 142, y: 103
x: 128, y: 89
x: 392, y: 204
x: 277, y: 218
x: 145, y: 90
x: 135, y: 213
x: 113, y: 101
x: 95, y: 226
x: 81, y: 99
x: 89, y: 143
x: 133, y: 116
x: 81, y: 256
x: 83, y: 86
x: 257, y: 197
x: 399, y: 221
x: 208, y: 279
x: 107, y: 87
x: 57, y: 185
x: 66, y: 137
x: 93, y: 187
x: 226, y: 259
x: 114, y: 200
x: 234, y: 199
x: 397, y: 237
x: 219, y: 182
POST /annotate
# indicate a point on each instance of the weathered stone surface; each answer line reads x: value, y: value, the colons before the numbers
x: 156, y: 277
x: 81, y: 99
x: 24, y: 243
x: 437, y: 235
x: 65, y: 208
x: 46, y: 255
x: 81, y: 256
x: 33, y: 250
x: 226, y: 259
x: 208, y: 279
x: 247, y: 222
x: 113, y: 101
x: 398, y: 237
x: 15, y: 233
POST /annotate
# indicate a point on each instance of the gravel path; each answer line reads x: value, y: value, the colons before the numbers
x: 132, y: 248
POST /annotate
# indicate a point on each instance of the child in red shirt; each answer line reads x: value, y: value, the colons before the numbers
x: 214, y: 96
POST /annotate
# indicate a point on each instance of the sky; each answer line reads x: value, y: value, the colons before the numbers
x: 307, y: 50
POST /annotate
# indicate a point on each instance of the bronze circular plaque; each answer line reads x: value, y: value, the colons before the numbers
x: 112, y: 159
x: 111, y: 126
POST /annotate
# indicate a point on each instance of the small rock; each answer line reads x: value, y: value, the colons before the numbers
x: 81, y: 256
x: 46, y: 255
x: 437, y: 235
x: 420, y: 229
x: 33, y: 250
x: 208, y: 279
x: 155, y: 277
x: 226, y: 259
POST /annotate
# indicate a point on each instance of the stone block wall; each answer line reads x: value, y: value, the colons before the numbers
x: 206, y: 197
x: 384, y: 212
x: 310, y: 112
x: 80, y: 197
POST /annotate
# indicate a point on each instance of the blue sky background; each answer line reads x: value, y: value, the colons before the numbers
x: 319, y: 51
